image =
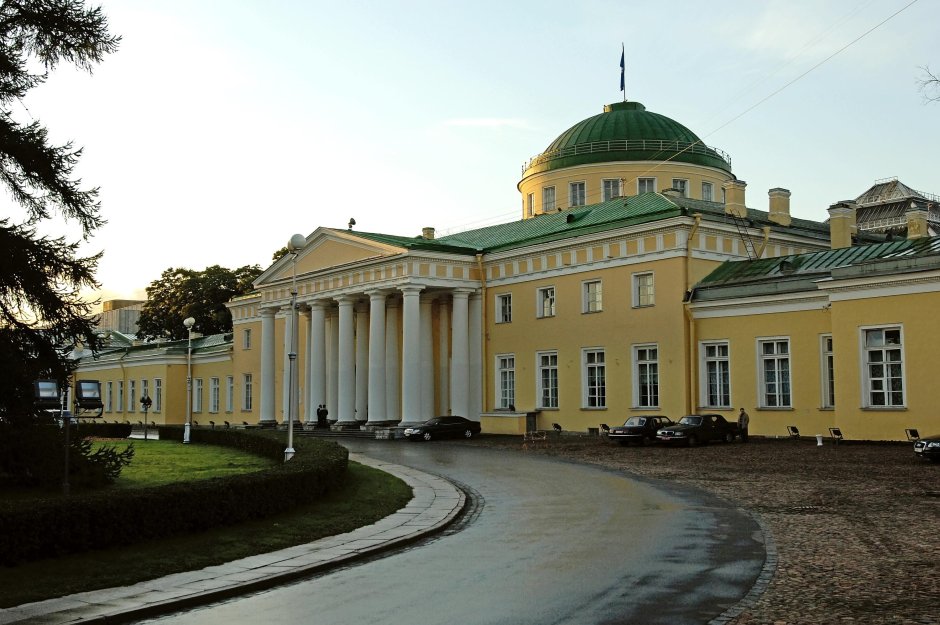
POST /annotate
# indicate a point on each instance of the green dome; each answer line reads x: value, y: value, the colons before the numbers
x: 626, y: 131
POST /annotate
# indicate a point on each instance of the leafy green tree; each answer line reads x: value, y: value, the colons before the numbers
x: 181, y: 293
x: 41, y: 312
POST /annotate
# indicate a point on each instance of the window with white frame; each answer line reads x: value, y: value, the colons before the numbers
x: 229, y: 393
x: 716, y: 368
x: 108, y: 396
x: 504, y: 308
x: 593, y: 296
x: 145, y: 389
x: 197, y: 395
x: 548, y: 199
x: 884, y: 367
x: 246, y: 338
x: 530, y: 204
x: 547, y: 379
x: 131, y: 395
x: 643, y: 291
x: 681, y: 185
x: 646, y: 376
x: 213, y: 394
x: 708, y: 191
x: 545, y: 304
x: 247, y: 393
x: 774, y: 357
x: 646, y: 185
x: 612, y: 188
x: 506, y: 382
x: 120, y: 395
x: 157, y: 395
x: 595, y: 379
x: 576, y: 194
x: 828, y: 372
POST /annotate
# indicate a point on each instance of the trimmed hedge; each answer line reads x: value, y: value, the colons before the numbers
x: 49, y: 528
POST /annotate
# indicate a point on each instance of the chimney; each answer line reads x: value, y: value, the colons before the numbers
x: 734, y: 198
x: 427, y: 233
x: 779, y: 206
x: 916, y: 221
x: 841, y: 224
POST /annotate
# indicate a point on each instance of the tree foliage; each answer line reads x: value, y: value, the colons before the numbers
x: 181, y: 293
x: 41, y: 312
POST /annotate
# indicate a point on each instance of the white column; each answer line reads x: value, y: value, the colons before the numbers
x: 332, y: 395
x: 286, y: 375
x: 316, y: 354
x: 392, y: 360
x: 411, y: 355
x: 443, y: 351
x: 346, y: 366
x: 475, y: 335
x: 377, y: 323
x: 460, y: 357
x: 427, y: 357
x: 361, y: 413
x: 267, y: 368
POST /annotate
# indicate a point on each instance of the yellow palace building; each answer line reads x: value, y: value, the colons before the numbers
x: 638, y: 281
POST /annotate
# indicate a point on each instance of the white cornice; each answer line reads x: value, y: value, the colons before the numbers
x: 770, y: 304
x: 864, y: 287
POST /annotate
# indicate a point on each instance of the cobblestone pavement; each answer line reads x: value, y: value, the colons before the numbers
x: 855, y: 525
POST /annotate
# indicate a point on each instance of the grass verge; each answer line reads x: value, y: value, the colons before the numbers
x: 367, y: 496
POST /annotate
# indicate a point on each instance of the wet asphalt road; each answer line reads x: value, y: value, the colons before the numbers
x: 545, y: 542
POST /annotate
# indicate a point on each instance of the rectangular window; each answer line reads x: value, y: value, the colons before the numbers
x: 884, y: 367
x: 157, y: 395
x: 548, y: 379
x: 530, y: 205
x: 506, y: 382
x: 131, y: 395
x: 246, y: 392
x: 643, y: 292
x: 229, y: 393
x: 120, y: 395
x: 612, y: 188
x: 646, y: 376
x: 576, y: 194
x: 681, y: 185
x: 197, y: 395
x: 548, y: 200
x: 646, y: 185
x: 213, y: 394
x: 774, y: 357
x: 145, y: 389
x: 545, y: 304
x: 593, y: 296
x: 708, y: 191
x: 246, y: 338
x: 717, y: 371
x: 828, y: 373
x: 595, y: 379
x: 504, y: 308
x: 108, y: 396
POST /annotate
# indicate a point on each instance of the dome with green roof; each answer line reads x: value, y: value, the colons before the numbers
x: 626, y: 131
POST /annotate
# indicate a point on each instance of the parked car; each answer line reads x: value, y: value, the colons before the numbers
x: 699, y: 428
x: 443, y: 427
x: 638, y: 430
x: 928, y: 448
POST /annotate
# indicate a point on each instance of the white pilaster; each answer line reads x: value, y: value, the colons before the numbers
x: 460, y: 357
x: 411, y: 355
x: 377, y: 321
x: 267, y: 403
x: 475, y: 335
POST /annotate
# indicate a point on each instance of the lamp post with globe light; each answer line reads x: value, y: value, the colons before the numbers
x: 294, y: 246
x: 189, y: 322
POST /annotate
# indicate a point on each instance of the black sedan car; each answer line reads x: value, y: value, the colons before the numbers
x: 699, y: 428
x: 928, y: 448
x: 638, y: 430
x: 443, y: 427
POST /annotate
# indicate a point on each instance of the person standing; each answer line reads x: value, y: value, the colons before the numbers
x: 743, y: 421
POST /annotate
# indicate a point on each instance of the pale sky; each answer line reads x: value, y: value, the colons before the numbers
x: 220, y: 128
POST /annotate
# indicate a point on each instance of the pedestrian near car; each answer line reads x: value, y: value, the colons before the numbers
x: 743, y: 421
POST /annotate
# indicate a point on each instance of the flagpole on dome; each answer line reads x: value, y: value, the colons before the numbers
x: 622, y: 81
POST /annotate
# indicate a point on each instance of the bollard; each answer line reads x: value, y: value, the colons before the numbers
x: 819, y: 440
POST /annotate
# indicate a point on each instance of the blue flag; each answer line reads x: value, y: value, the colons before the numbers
x: 621, y: 68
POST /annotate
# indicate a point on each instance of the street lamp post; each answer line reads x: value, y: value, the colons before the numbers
x: 294, y: 246
x: 189, y: 322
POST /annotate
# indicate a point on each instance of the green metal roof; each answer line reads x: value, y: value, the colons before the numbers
x: 626, y: 131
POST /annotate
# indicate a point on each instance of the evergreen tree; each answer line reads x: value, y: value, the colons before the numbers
x: 41, y: 313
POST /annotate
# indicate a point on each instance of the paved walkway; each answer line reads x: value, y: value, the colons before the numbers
x: 435, y: 505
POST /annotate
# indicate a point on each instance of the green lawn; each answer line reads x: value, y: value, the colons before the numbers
x: 367, y: 496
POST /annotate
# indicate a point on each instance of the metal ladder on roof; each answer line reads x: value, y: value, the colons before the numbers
x: 749, y: 246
